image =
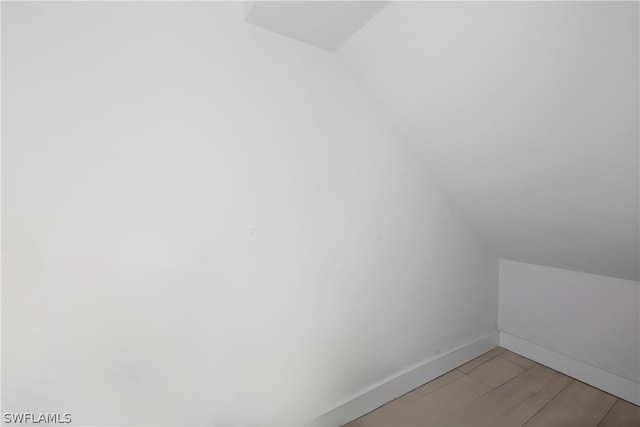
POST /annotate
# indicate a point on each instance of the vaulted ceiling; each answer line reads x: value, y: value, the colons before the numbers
x: 526, y: 113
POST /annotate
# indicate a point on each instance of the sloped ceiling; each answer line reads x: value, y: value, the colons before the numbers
x: 527, y: 115
x: 324, y: 24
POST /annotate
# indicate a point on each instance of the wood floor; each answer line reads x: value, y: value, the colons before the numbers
x: 501, y: 388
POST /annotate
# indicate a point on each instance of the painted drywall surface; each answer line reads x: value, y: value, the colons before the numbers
x: 324, y: 24
x: 593, y: 319
x: 526, y: 113
x: 208, y: 223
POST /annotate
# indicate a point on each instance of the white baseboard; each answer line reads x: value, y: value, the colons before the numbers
x: 404, y: 381
x: 623, y: 388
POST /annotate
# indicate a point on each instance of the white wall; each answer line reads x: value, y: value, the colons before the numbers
x: 589, y: 318
x: 527, y: 114
x: 206, y: 223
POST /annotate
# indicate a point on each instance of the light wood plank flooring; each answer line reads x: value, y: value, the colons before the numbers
x: 501, y: 388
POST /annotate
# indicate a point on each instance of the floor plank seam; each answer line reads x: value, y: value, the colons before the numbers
x: 517, y: 364
x: 610, y: 409
x: 507, y: 382
x: 491, y: 358
x: 492, y: 389
x: 548, y: 402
